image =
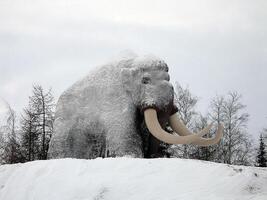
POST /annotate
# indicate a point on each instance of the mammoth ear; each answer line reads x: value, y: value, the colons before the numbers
x: 128, y: 76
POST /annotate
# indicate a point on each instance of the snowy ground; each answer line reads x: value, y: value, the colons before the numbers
x: 126, y: 178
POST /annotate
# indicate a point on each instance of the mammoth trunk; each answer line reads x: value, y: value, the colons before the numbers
x: 152, y: 147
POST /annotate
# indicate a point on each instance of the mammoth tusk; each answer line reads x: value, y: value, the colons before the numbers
x: 210, y: 141
x: 178, y: 126
x: 155, y: 129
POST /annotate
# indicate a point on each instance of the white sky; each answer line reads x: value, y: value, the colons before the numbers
x: 212, y: 46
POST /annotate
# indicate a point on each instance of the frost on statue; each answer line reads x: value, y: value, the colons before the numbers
x: 102, y: 115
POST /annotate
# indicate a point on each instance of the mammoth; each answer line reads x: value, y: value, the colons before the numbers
x: 101, y: 115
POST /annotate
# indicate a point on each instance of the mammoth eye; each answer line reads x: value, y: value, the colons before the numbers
x: 146, y: 80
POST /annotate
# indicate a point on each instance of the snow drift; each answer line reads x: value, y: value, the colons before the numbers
x: 127, y: 178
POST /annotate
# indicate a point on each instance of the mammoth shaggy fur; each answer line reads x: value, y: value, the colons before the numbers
x: 102, y: 115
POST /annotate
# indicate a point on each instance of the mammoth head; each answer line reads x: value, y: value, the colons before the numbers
x: 147, y: 82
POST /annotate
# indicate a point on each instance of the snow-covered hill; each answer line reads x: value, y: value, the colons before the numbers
x: 126, y: 178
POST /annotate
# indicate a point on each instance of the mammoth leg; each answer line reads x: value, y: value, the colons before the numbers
x: 153, y: 148
x: 121, y: 142
x: 58, y: 146
x: 122, y: 139
x: 77, y: 138
x: 88, y: 139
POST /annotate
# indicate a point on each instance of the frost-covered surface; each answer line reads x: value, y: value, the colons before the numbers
x: 127, y: 178
x: 97, y: 116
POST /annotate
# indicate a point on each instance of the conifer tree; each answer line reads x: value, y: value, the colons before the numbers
x: 37, y: 124
x: 261, y: 159
x: 30, y: 134
x: 43, y: 105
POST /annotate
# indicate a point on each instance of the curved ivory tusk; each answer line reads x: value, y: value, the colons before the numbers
x: 155, y: 129
x: 210, y: 141
x: 178, y: 126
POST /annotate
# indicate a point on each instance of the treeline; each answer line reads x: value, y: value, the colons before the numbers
x: 26, y: 137
x: 236, y: 146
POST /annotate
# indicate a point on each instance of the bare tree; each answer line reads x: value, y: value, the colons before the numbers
x: 185, y: 102
x: 216, y: 114
x: 198, y: 152
x: 10, y: 143
x: 235, y: 147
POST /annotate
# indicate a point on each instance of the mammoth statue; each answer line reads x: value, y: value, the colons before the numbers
x: 101, y: 115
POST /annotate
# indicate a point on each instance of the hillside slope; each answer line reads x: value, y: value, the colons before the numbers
x: 126, y: 178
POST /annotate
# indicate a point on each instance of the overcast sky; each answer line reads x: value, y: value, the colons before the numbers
x: 212, y: 46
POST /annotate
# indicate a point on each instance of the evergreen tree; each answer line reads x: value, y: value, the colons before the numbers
x: 30, y: 134
x: 37, y: 124
x: 43, y: 105
x: 261, y: 159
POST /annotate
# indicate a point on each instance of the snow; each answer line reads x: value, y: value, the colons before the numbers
x: 128, y: 178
